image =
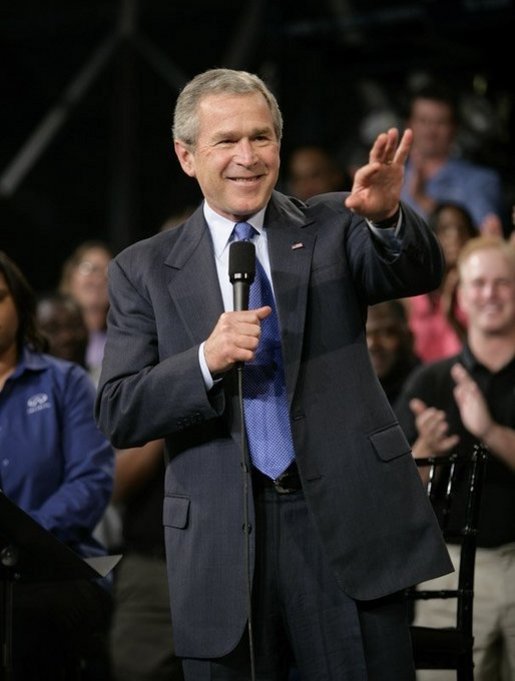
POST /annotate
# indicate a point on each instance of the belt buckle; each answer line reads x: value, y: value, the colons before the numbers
x: 281, y: 484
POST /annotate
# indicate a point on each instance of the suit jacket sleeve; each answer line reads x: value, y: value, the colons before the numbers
x: 144, y: 392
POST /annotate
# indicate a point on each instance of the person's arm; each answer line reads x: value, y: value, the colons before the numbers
x: 433, y: 437
x: 87, y: 465
x: 425, y: 425
x: 134, y: 467
x: 405, y: 258
x: 143, y: 396
x: 476, y: 417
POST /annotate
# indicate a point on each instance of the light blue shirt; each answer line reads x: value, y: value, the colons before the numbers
x: 477, y: 188
x: 221, y: 230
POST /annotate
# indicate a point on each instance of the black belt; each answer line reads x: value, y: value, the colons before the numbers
x: 287, y: 483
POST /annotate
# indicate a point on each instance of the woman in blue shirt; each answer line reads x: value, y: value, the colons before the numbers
x: 58, y: 468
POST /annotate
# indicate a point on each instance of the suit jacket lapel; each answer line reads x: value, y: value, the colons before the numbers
x: 197, y: 297
x: 291, y: 249
x: 193, y: 278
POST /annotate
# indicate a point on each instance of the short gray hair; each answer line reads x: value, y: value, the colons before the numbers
x: 214, y: 82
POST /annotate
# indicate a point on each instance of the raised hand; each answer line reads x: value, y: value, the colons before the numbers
x: 377, y: 185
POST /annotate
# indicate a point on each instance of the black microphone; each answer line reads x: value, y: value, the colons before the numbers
x: 242, y: 270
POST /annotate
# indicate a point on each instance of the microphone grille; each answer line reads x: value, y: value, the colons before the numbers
x: 242, y: 261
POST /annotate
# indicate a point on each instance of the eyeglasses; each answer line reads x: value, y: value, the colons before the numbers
x: 87, y: 267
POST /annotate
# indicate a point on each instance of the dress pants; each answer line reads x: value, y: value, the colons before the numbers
x: 304, y: 626
x: 141, y: 638
x: 494, y: 614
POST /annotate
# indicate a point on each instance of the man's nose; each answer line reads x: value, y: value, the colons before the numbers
x: 245, y: 152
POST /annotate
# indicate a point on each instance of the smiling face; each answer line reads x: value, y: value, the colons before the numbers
x: 487, y: 292
x: 236, y: 156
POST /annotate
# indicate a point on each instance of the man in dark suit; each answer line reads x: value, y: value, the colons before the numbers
x: 304, y: 566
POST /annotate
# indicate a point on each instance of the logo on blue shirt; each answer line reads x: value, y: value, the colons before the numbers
x: 38, y: 402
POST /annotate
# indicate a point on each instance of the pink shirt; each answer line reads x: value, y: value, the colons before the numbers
x: 434, y: 336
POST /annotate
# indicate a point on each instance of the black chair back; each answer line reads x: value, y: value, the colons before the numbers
x: 452, y: 647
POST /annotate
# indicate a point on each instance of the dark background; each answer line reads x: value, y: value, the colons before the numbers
x: 88, y: 90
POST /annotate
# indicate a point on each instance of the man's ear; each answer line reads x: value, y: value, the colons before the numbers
x: 186, y: 157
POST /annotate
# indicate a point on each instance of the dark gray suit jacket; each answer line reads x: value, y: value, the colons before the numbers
x: 359, y: 478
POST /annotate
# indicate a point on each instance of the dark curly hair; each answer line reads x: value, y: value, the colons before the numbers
x: 25, y: 303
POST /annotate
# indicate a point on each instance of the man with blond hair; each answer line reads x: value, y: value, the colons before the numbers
x: 461, y: 400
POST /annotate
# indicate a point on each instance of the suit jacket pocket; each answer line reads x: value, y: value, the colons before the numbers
x: 175, y: 512
x: 390, y: 443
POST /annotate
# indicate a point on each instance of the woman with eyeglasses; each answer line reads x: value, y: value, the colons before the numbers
x: 84, y: 276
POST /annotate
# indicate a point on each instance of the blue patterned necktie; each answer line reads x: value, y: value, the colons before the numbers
x: 264, y: 388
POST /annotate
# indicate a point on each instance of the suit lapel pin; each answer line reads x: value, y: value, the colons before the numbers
x: 297, y: 245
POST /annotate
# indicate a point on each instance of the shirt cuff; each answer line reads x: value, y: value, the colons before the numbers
x: 206, y: 374
x: 392, y: 223
x: 389, y: 235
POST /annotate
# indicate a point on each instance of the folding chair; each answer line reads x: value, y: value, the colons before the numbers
x: 451, y: 647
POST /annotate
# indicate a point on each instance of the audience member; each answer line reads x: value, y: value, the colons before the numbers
x: 323, y: 569
x: 435, y: 172
x: 435, y: 318
x: 60, y: 319
x: 313, y: 170
x: 58, y: 468
x: 84, y: 276
x: 141, y: 641
x: 141, y: 645
x: 390, y: 345
x: 453, y: 403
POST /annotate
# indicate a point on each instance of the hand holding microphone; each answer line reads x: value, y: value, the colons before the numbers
x: 236, y: 335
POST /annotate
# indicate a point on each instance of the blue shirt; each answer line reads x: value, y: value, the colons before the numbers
x: 475, y: 187
x: 54, y: 462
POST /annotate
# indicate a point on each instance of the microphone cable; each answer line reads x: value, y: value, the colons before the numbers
x: 242, y: 270
x: 246, y: 472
